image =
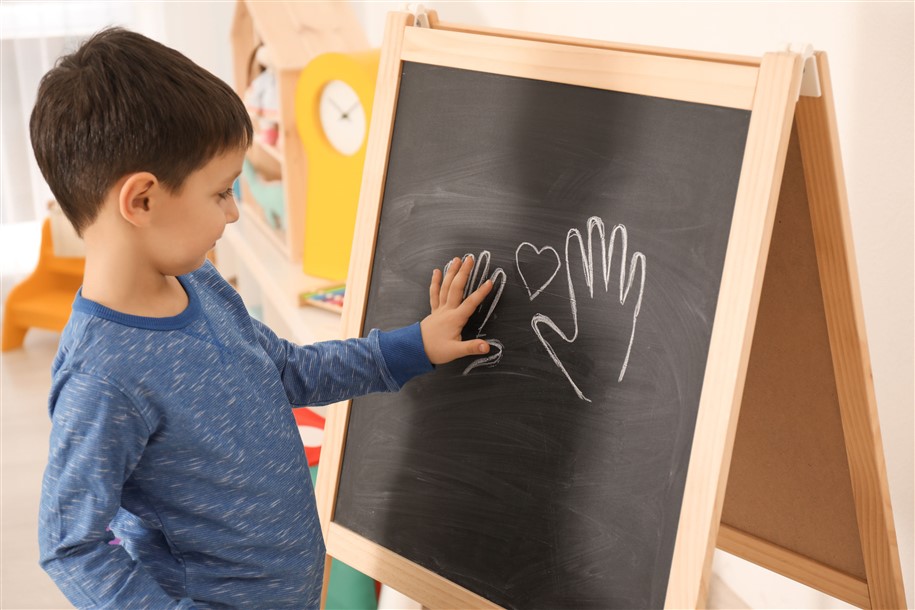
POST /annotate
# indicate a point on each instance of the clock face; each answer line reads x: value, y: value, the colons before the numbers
x: 342, y: 117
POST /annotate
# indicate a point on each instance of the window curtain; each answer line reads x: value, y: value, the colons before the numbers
x: 32, y: 36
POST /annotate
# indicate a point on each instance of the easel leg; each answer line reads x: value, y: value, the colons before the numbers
x: 324, y: 587
x: 818, y: 136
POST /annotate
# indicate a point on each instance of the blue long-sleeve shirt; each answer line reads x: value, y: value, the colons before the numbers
x: 178, y: 433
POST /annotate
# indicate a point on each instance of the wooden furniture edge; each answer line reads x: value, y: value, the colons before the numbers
x: 732, y: 335
x: 794, y: 565
x: 306, y: 31
x: 690, y: 80
x: 242, y: 35
x: 366, y: 230
x: 328, y: 478
x: 295, y: 167
x: 828, y: 201
x: 325, y: 581
x: 421, y: 584
x: 742, y: 60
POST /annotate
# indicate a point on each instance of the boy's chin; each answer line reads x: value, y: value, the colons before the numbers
x: 200, y: 263
x: 184, y: 269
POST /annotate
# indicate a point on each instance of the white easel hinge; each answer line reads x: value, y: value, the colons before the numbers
x: 420, y: 17
x: 810, y: 81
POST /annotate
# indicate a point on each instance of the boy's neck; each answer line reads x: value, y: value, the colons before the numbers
x: 127, y: 285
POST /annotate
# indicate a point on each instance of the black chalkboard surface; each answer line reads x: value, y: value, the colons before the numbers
x: 551, y: 473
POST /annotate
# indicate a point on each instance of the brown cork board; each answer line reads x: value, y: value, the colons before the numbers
x: 789, y: 480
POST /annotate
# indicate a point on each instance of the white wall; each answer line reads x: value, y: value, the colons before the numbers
x: 199, y: 30
x: 870, y: 47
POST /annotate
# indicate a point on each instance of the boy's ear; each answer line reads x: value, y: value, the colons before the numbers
x: 136, y: 197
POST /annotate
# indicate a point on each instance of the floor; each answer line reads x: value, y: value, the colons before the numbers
x: 25, y: 375
x: 24, y: 380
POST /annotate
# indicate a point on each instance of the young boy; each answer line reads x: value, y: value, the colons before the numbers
x: 170, y: 405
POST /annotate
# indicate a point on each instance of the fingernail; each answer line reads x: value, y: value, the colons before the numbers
x: 483, y: 347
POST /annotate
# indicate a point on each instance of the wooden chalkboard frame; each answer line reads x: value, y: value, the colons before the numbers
x: 769, y: 87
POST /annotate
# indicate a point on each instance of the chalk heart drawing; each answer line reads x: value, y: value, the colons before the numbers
x: 544, y: 258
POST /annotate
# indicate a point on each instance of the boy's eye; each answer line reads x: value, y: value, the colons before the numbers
x: 226, y: 194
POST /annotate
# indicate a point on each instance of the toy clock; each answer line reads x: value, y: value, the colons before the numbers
x: 333, y: 105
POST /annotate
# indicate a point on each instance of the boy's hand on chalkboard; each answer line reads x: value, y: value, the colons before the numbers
x: 442, y: 328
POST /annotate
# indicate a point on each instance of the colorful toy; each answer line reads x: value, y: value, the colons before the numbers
x: 348, y: 589
x: 327, y: 298
x: 268, y: 195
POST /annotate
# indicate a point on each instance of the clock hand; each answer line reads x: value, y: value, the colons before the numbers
x: 351, y: 108
x: 335, y: 105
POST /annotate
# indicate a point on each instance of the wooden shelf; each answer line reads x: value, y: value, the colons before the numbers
x: 273, y: 151
x: 294, y: 33
x: 250, y: 211
x: 268, y: 260
x: 279, y: 282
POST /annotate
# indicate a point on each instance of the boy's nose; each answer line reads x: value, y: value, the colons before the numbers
x: 232, y: 211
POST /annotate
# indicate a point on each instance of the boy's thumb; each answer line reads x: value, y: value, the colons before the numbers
x: 477, y: 347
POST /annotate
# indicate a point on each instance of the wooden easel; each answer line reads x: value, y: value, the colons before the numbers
x: 808, y: 493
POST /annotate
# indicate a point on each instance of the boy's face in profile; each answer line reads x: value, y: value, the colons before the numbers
x: 188, y: 223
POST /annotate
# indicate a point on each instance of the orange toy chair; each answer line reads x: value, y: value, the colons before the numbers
x: 42, y: 300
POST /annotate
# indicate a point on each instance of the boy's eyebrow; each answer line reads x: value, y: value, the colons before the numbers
x: 233, y: 176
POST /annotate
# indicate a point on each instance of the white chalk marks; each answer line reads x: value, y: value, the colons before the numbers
x: 546, y: 263
x: 491, y: 360
x: 480, y: 271
x: 538, y: 262
x: 636, y: 265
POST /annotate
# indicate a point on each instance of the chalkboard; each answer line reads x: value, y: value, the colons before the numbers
x: 549, y: 474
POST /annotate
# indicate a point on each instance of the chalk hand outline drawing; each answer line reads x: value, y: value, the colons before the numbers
x: 479, y: 275
x: 638, y: 262
x: 538, y: 252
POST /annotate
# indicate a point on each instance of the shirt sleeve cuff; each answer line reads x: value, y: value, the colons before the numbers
x: 404, y: 353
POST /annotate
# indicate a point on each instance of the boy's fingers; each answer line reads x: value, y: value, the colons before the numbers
x: 434, y: 287
x: 476, y: 297
x: 451, y: 271
x: 456, y: 291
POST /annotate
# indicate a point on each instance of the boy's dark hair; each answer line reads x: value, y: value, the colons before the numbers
x: 123, y: 103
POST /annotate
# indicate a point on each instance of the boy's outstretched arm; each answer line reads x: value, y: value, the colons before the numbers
x: 442, y: 328
x: 331, y: 371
